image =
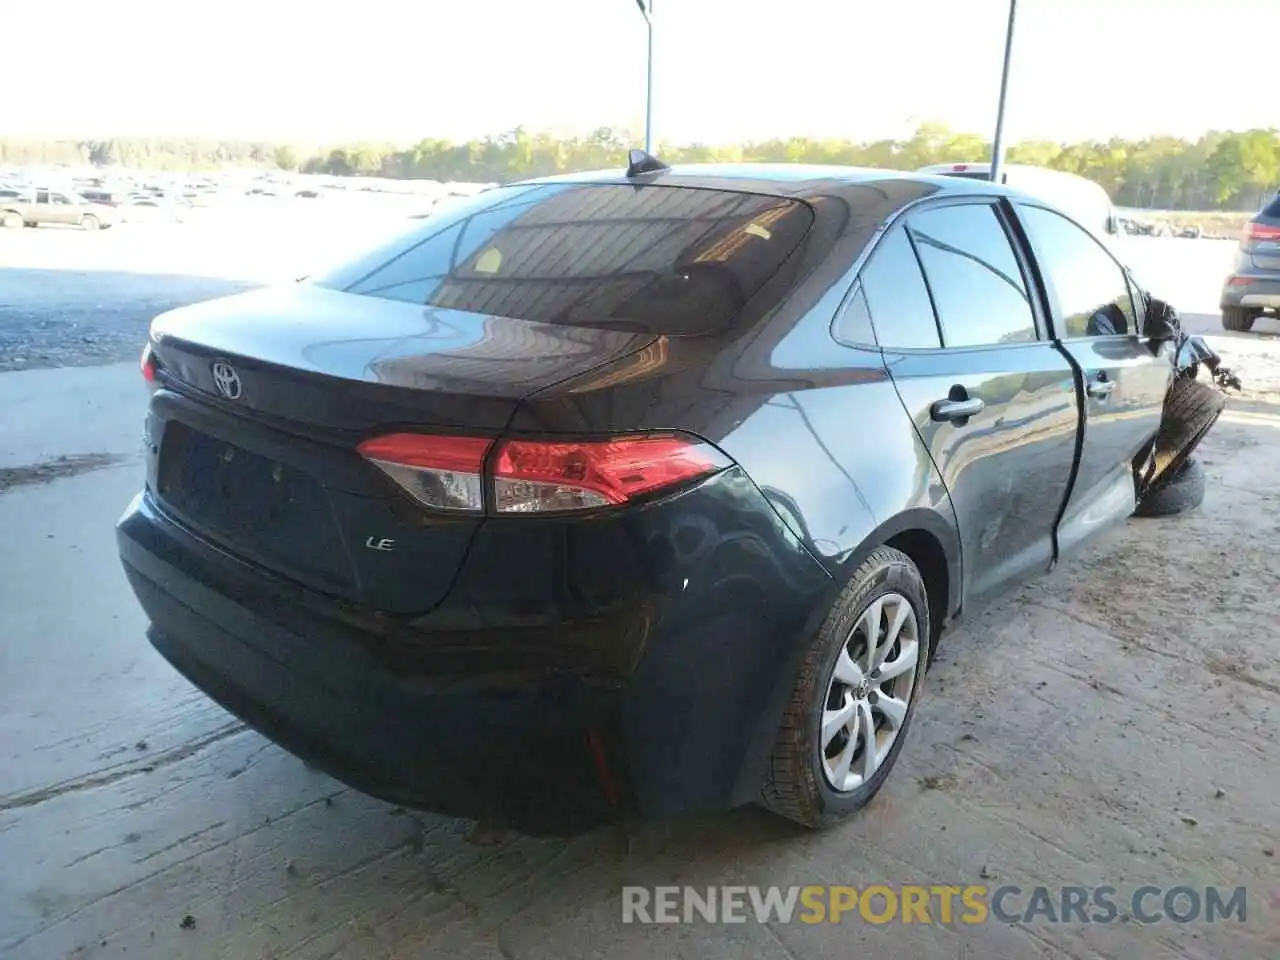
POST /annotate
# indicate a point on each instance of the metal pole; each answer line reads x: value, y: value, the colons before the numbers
x: 997, y: 147
x: 648, y: 83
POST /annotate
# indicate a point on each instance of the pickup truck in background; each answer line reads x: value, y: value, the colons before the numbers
x: 32, y: 208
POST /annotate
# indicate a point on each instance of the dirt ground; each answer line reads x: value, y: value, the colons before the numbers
x: 1114, y: 723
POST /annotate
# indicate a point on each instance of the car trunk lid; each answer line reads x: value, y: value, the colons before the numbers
x: 267, y: 394
x: 337, y: 361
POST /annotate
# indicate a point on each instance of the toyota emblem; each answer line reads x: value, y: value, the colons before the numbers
x: 226, y: 380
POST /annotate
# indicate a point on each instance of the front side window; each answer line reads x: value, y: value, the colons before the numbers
x: 896, y: 296
x: 974, y: 277
x: 1091, y: 288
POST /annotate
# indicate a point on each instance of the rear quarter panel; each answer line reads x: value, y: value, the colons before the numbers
x: 817, y: 426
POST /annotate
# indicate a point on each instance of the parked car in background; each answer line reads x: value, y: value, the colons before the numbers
x: 103, y: 195
x: 42, y: 206
x: 1253, y: 287
x: 1083, y: 199
x: 646, y: 492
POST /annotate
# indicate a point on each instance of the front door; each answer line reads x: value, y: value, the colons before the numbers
x: 1125, y: 375
x: 992, y: 399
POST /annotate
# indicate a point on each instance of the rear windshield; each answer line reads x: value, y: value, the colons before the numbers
x: 1272, y: 209
x: 656, y: 259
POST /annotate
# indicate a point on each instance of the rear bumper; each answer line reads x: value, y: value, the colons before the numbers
x: 333, y: 693
x: 1262, y: 291
x: 657, y: 706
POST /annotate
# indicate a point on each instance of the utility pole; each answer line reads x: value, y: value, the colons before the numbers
x: 646, y: 11
x: 997, y: 147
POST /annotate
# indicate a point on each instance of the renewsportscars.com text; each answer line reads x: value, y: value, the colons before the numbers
x: 933, y: 903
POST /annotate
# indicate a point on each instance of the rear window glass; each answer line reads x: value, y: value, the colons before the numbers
x: 664, y: 260
x: 896, y: 296
x: 1272, y: 209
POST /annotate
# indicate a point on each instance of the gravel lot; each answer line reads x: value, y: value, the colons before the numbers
x: 69, y: 298
x: 1113, y: 723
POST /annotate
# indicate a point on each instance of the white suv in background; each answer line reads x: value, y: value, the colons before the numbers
x: 1083, y: 199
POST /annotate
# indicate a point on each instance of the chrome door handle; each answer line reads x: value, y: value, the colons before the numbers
x: 956, y: 409
x: 1100, y: 389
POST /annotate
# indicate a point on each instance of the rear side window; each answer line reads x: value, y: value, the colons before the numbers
x: 853, y: 326
x: 1272, y: 209
x: 1091, y: 289
x: 655, y: 259
x: 897, y: 297
x: 973, y: 275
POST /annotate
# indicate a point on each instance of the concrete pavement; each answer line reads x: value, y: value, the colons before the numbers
x: 1111, y: 724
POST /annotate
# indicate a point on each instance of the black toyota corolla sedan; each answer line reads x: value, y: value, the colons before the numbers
x: 634, y: 493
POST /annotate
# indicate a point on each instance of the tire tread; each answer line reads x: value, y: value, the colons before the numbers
x: 1238, y: 319
x: 788, y: 785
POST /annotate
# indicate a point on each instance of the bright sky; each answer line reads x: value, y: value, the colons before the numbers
x: 727, y: 70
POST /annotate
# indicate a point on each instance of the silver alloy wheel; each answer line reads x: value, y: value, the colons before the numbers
x: 870, y: 690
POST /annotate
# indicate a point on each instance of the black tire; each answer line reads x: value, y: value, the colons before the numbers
x: 797, y: 785
x: 1239, y: 319
x: 1191, y: 408
x: 11, y: 220
x: 1181, y: 490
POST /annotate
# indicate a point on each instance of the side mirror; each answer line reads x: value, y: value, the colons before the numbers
x: 1161, y: 321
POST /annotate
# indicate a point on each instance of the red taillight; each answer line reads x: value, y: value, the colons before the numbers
x: 1239, y: 281
x: 537, y: 476
x: 149, y: 364
x: 959, y: 167
x: 444, y: 473
x: 1260, y: 231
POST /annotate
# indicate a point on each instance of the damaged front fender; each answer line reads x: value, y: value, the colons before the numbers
x: 1197, y: 353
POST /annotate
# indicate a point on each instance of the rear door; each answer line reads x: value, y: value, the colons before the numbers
x: 992, y: 399
x: 62, y: 209
x: 1125, y: 375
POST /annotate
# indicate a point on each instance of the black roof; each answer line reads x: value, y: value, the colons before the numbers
x: 798, y: 180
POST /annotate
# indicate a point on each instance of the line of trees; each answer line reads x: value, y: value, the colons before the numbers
x: 1218, y: 171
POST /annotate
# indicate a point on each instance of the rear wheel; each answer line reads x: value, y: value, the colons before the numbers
x: 1239, y: 319
x: 90, y: 222
x: 10, y: 220
x: 854, y: 697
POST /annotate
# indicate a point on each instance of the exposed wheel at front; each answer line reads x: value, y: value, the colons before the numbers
x: 90, y: 222
x: 1179, y: 490
x: 10, y: 221
x: 853, y: 699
